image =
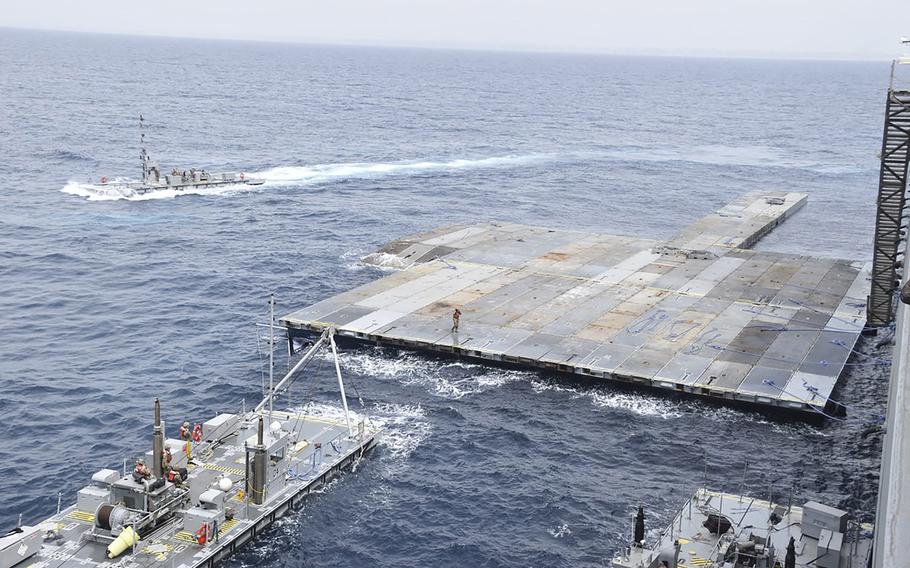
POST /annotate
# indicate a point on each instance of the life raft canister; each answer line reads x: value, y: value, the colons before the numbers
x: 197, y: 433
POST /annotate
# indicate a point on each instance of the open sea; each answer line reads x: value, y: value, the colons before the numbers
x: 106, y: 302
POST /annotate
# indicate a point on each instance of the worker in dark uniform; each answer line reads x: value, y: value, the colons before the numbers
x: 141, y: 471
x: 184, y: 433
x: 456, y: 318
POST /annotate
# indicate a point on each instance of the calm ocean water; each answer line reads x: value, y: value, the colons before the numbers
x: 107, y: 303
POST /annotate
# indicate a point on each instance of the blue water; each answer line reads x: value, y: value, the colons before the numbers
x: 107, y: 303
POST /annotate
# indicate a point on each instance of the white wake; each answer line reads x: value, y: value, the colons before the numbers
x: 318, y: 174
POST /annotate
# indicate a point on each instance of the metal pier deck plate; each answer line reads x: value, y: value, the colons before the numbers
x: 698, y: 313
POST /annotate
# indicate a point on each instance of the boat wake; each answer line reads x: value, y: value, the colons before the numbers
x: 635, y: 403
x: 311, y: 175
x: 322, y: 174
x: 755, y: 156
x: 319, y: 174
x: 451, y: 380
x: 111, y: 192
x: 404, y: 426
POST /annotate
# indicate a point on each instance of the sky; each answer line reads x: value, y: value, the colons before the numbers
x: 836, y: 29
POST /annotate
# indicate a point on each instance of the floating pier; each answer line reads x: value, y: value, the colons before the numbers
x: 699, y: 313
x: 200, y: 499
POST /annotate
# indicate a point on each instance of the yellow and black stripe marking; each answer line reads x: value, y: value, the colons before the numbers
x: 82, y: 516
x: 227, y: 526
x: 223, y: 468
x: 187, y: 536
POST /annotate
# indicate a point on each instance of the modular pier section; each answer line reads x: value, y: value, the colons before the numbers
x: 312, y: 449
x: 699, y: 313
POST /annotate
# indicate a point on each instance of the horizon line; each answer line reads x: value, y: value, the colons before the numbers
x: 605, y: 52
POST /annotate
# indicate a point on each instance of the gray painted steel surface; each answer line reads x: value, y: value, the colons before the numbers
x: 698, y: 313
x: 759, y: 534
x: 893, y: 514
x: 318, y: 449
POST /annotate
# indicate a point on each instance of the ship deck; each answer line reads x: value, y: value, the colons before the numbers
x: 320, y: 450
x: 701, y: 547
x: 699, y: 313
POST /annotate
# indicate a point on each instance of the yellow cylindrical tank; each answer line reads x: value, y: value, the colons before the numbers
x: 127, y: 539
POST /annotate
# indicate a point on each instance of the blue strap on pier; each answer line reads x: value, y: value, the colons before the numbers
x: 813, y: 389
x: 770, y: 383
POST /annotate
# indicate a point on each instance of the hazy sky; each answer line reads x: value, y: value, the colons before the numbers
x: 864, y: 29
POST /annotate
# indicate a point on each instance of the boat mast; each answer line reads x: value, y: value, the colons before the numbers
x: 143, y: 155
x: 271, y: 352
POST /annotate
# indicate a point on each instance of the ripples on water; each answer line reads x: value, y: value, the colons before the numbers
x: 109, y: 302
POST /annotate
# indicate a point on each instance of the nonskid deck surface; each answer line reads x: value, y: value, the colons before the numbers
x: 697, y: 313
x: 318, y: 449
x: 702, y: 548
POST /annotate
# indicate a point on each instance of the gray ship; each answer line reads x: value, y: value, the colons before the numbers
x: 723, y: 530
x: 192, y: 502
x: 177, y: 180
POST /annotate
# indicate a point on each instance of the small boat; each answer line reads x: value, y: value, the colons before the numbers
x: 176, y: 180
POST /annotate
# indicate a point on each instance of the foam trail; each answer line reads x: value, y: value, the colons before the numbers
x: 94, y: 192
x: 404, y: 426
x: 379, y: 260
x: 314, y: 175
x: 722, y: 155
x: 643, y: 405
x: 445, y: 379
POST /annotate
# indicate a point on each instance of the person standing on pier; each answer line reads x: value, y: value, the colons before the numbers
x: 456, y: 318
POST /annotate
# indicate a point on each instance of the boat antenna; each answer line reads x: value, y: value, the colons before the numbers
x: 271, y: 352
x: 143, y: 155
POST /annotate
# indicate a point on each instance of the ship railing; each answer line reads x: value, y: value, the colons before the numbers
x: 313, y: 461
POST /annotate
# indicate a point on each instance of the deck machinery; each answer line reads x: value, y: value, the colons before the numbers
x: 723, y: 530
x: 229, y: 482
